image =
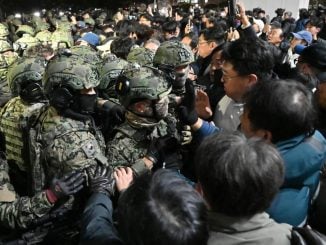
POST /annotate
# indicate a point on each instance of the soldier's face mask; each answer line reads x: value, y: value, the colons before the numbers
x: 85, y: 103
x: 180, y: 75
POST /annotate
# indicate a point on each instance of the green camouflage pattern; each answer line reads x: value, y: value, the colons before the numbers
x: 13, y: 117
x: 4, y: 32
x: 22, y: 29
x: 129, y: 145
x: 141, y: 83
x: 19, y: 212
x: 27, y: 41
x: 25, y: 69
x: 61, y: 39
x: 173, y: 54
x: 70, y: 71
x: 41, y: 26
x: 87, y: 53
x: 5, y: 46
x: 141, y: 55
x: 110, y: 70
x: 5, y: 63
x: 89, y: 21
x: 44, y: 36
x: 70, y: 144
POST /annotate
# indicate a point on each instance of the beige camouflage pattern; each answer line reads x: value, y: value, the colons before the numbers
x: 70, y: 144
x: 15, y: 211
x: 13, y: 117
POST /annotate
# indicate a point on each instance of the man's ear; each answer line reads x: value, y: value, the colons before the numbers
x: 265, y: 134
x: 212, y: 45
x: 253, y: 79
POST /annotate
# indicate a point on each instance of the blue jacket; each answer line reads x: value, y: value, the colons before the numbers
x: 97, y: 225
x: 303, y: 158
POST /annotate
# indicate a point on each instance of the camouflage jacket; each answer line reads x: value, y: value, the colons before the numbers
x: 69, y: 144
x: 129, y: 146
x: 15, y: 211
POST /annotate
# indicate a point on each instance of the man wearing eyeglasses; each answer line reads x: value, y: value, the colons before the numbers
x: 246, y: 61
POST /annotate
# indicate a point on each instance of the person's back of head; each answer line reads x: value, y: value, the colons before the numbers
x: 162, y: 209
x: 170, y: 26
x: 283, y: 108
x: 121, y: 46
x: 250, y: 56
x: 239, y: 177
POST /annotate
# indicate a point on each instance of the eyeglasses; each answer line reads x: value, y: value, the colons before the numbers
x: 227, y: 78
x: 202, y: 42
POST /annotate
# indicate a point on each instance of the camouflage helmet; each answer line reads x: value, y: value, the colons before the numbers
x: 141, y: 83
x: 44, y: 36
x: 89, y: 21
x: 41, y: 26
x: 27, y: 69
x: 173, y: 54
x: 68, y: 70
x: 5, y: 46
x: 60, y: 37
x: 110, y: 70
x: 4, y: 32
x: 25, y: 29
x: 141, y: 55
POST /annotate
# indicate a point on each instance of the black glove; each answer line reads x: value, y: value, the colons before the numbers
x: 169, y: 152
x: 187, y: 109
x: 68, y: 185
x: 101, y: 180
x: 114, y: 112
x: 153, y: 152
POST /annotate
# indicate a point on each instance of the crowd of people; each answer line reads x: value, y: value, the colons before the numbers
x: 162, y: 125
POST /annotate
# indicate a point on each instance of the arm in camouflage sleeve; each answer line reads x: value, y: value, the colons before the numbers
x: 18, y: 211
x: 124, y: 151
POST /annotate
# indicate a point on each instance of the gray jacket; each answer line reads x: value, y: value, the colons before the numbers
x: 258, y: 229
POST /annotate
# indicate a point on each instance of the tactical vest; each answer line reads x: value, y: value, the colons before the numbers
x: 51, y: 127
x: 15, y: 120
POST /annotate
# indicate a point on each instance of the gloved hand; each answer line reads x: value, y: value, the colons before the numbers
x: 187, y: 109
x: 115, y: 112
x: 186, y: 135
x: 101, y: 180
x: 68, y: 185
x: 169, y: 152
x: 153, y: 152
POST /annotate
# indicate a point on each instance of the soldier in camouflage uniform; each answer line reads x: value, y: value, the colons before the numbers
x: 173, y: 58
x: 69, y: 135
x: 109, y: 72
x: 20, y: 203
x: 27, y: 39
x: 141, y: 55
x: 61, y: 38
x: 143, y: 91
x: 7, y: 58
x: 25, y: 81
x: 85, y: 48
